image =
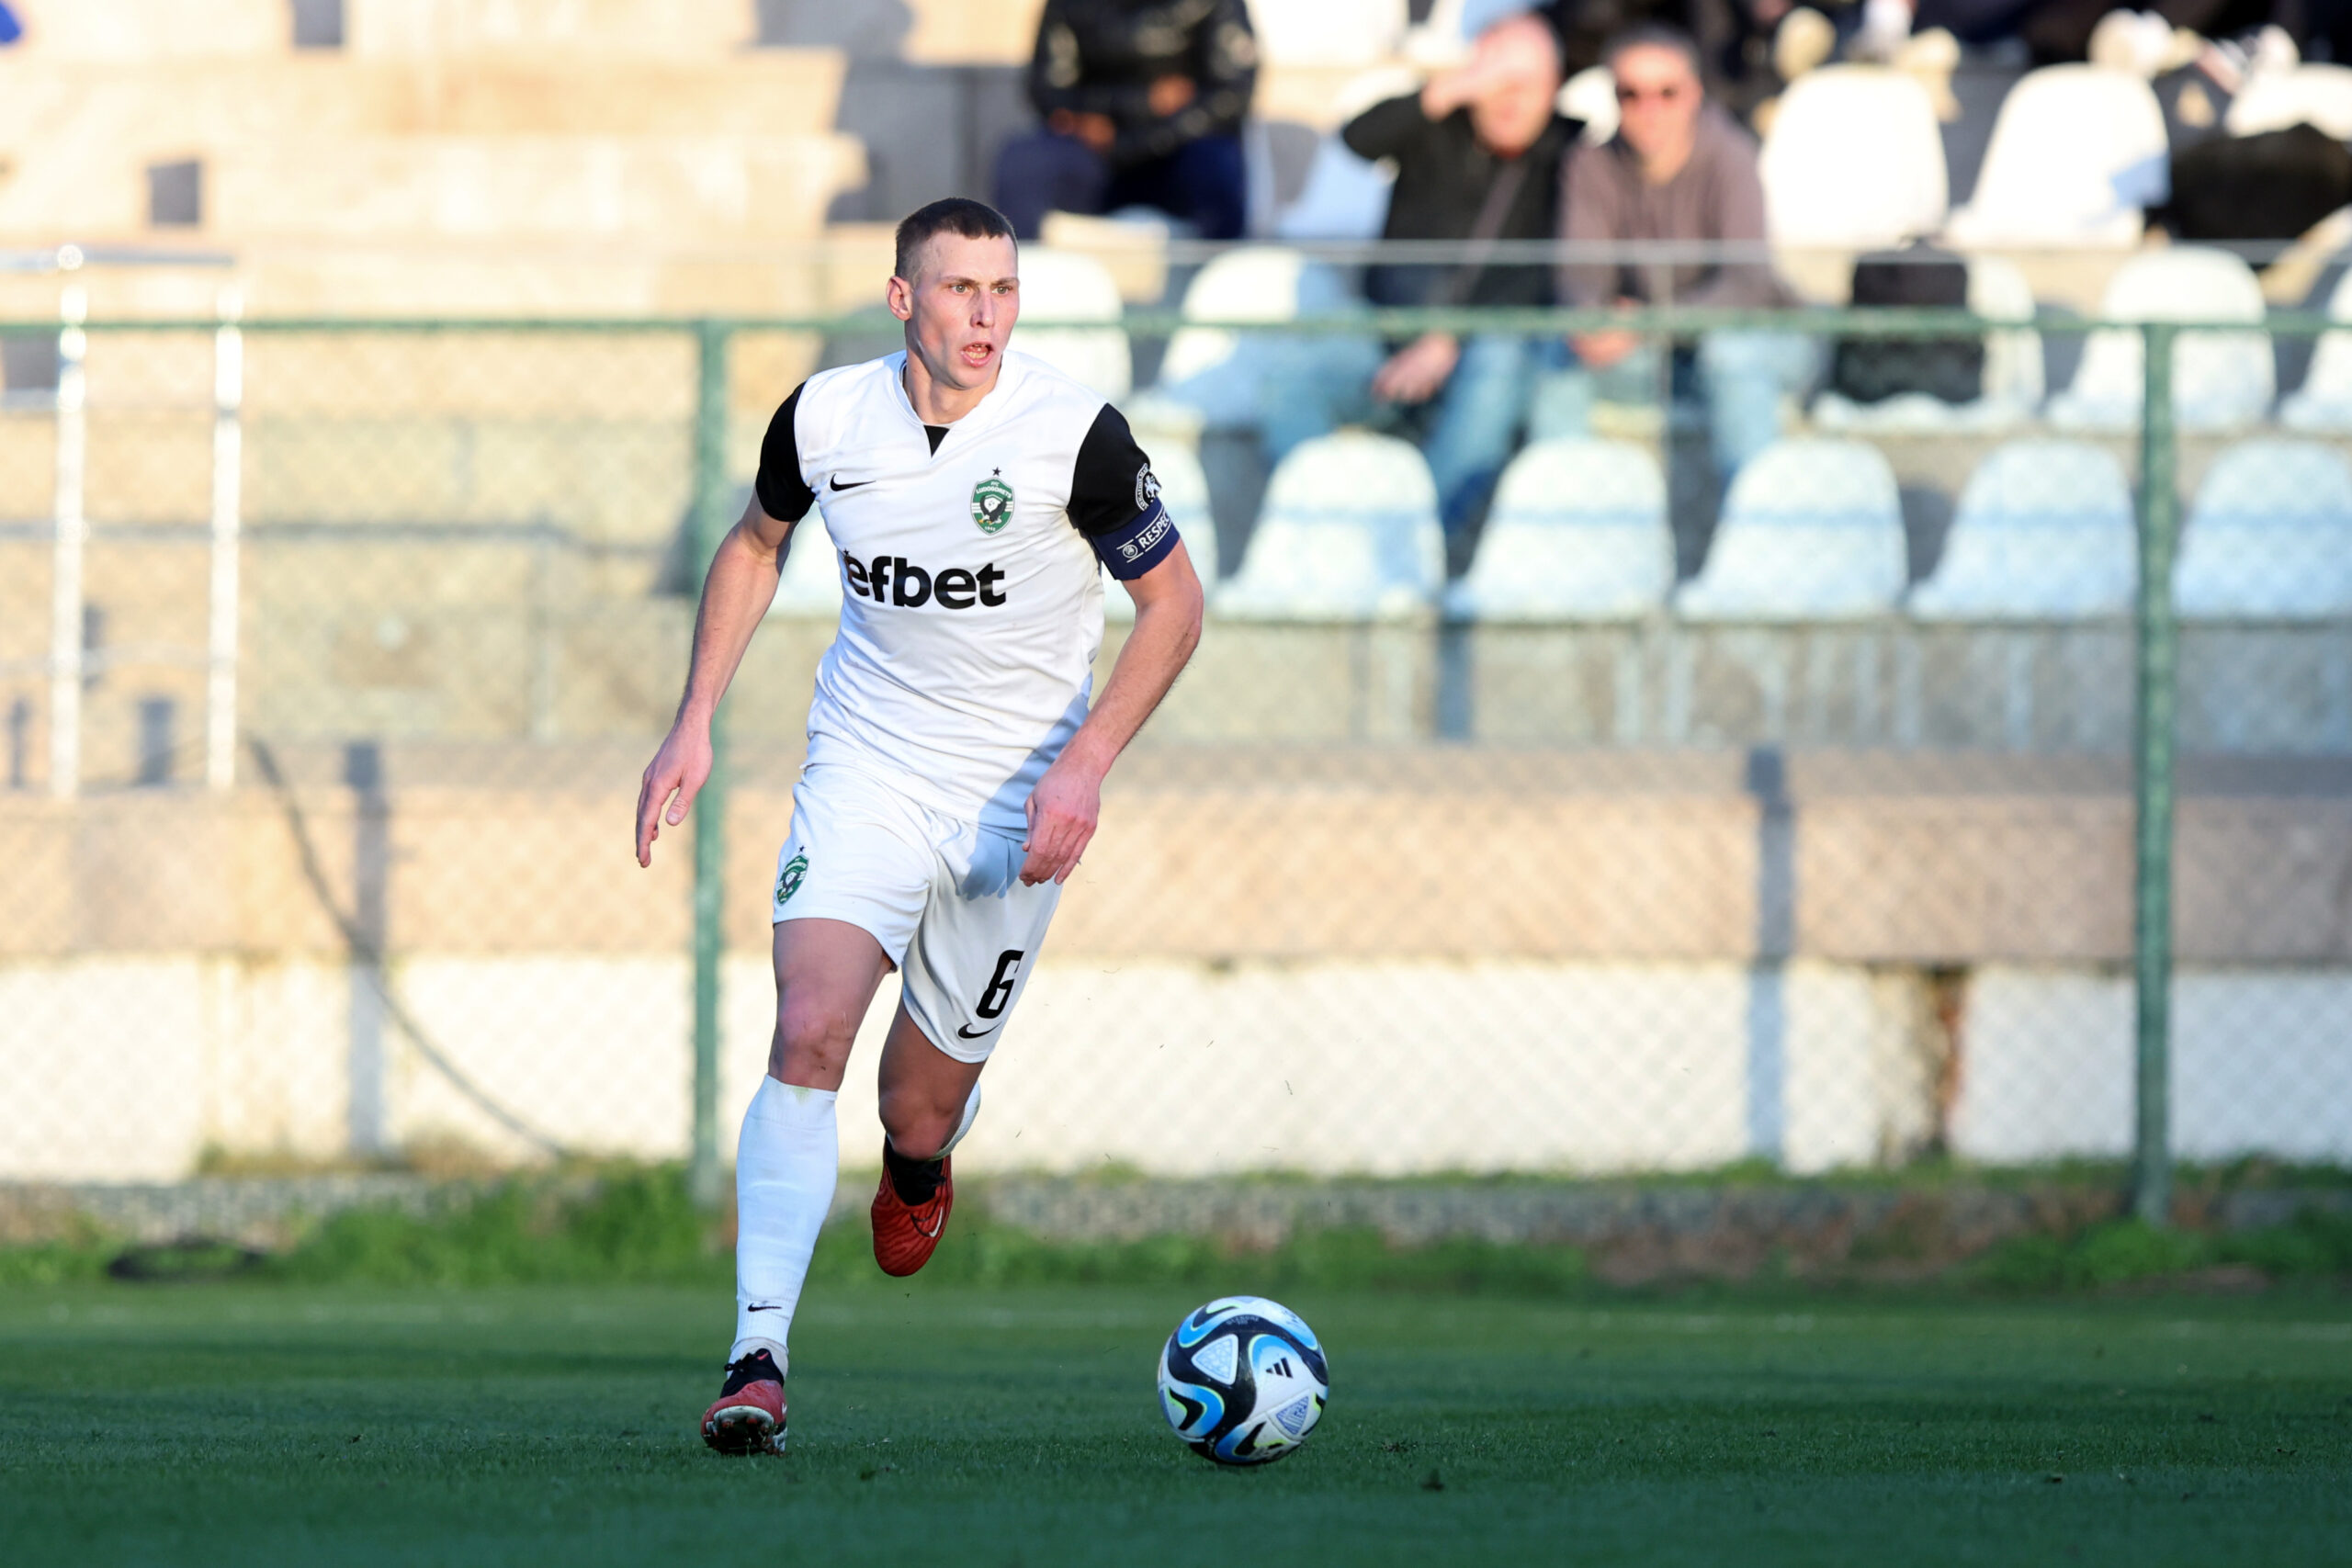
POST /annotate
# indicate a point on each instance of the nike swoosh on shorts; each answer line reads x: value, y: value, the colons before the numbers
x: 963, y: 1033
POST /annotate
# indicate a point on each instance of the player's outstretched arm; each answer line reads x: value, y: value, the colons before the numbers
x: 1067, y: 802
x: 736, y: 593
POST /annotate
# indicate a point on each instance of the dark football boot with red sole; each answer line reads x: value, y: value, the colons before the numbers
x: 748, y: 1417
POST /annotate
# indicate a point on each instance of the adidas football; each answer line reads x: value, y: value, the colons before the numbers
x: 1242, y: 1380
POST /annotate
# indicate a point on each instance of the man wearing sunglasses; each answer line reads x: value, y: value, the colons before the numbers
x: 1679, y: 169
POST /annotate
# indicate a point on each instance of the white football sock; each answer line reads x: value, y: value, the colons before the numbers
x: 784, y: 1170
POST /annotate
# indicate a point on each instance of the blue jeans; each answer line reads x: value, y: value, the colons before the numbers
x: 1203, y: 182
x: 1739, y: 378
x: 1473, y: 424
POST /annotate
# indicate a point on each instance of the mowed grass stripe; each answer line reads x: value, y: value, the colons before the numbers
x: 216, y: 1424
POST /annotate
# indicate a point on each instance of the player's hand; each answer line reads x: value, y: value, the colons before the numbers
x: 1415, y: 373
x: 1063, y: 811
x: 680, y: 768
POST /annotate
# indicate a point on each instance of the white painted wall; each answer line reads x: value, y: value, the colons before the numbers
x: 125, y: 1068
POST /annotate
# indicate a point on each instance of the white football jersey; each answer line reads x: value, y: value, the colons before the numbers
x: 970, y: 556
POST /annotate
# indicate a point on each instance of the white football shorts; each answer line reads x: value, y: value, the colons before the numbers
x: 944, y: 897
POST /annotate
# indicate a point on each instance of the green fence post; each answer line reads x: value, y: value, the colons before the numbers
x: 710, y: 524
x: 2159, y: 668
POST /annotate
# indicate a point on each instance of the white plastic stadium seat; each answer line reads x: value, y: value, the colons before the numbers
x: 2218, y: 380
x: 1854, y: 161
x: 1578, y: 532
x: 2304, y: 95
x: 811, y: 580
x: 1345, y: 196
x: 1590, y: 96
x: 2044, y: 532
x: 2324, y: 399
x: 2013, y: 376
x: 1811, y: 531
x: 1349, y: 532
x: 2271, y: 536
x: 1184, y: 491
x: 1327, y: 33
x: 2077, y: 151
x: 1059, y: 286
x: 1219, y: 372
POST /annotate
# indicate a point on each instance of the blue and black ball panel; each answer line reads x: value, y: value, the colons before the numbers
x: 1243, y: 1380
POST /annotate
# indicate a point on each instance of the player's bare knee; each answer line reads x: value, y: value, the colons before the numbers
x: 917, y: 1127
x: 811, y: 1037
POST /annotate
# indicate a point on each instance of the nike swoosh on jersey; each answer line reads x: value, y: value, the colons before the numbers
x: 835, y: 482
x: 963, y: 1033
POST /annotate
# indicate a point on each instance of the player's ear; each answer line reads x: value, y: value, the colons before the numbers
x: 899, y: 295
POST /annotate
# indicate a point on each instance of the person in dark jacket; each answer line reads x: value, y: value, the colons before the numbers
x: 1477, y: 154
x: 1142, y: 102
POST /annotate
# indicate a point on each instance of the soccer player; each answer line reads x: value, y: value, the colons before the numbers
x: 954, y: 769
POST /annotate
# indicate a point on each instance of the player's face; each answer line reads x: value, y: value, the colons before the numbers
x: 960, y: 306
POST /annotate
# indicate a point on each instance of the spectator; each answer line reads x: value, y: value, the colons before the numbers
x: 1678, y: 169
x: 1143, y: 102
x: 1477, y: 154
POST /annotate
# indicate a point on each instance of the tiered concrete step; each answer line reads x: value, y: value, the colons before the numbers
x: 81, y: 137
x: 127, y: 30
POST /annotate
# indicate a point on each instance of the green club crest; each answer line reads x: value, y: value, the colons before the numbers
x: 992, y: 504
x: 788, y: 881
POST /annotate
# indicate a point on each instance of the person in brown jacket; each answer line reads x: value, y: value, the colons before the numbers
x: 1679, y: 169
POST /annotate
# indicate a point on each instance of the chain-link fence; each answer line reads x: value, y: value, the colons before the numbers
x: 1710, y: 787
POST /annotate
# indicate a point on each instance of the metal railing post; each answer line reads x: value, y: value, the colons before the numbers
x: 710, y: 524
x: 72, y: 530
x: 228, y: 458
x: 2158, y: 671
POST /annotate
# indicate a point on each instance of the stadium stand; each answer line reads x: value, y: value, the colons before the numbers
x: 2305, y: 94
x: 1577, y: 532
x: 1854, y: 161
x: 2044, y: 532
x: 2323, y: 402
x: 1059, y: 286
x: 2221, y: 380
x: 1811, y: 531
x: 1219, y: 372
x: 1349, y: 532
x: 1590, y: 96
x: 1328, y: 32
x: 2013, y: 380
x: 2269, y: 537
x: 2077, y: 153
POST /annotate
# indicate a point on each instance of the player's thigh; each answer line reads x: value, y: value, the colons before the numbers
x: 853, y: 881
x: 826, y: 973
x: 973, y: 951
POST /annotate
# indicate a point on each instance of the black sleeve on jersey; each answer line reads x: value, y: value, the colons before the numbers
x: 783, y: 494
x: 1114, y: 499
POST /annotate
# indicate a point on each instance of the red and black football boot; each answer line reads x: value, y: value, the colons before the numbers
x: 911, y: 1209
x: 749, y: 1416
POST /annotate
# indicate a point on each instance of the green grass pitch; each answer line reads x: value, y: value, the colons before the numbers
x: 234, y: 1423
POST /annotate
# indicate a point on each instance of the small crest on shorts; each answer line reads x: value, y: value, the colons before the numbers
x: 992, y: 503
x: 788, y: 881
x: 1147, y: 487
